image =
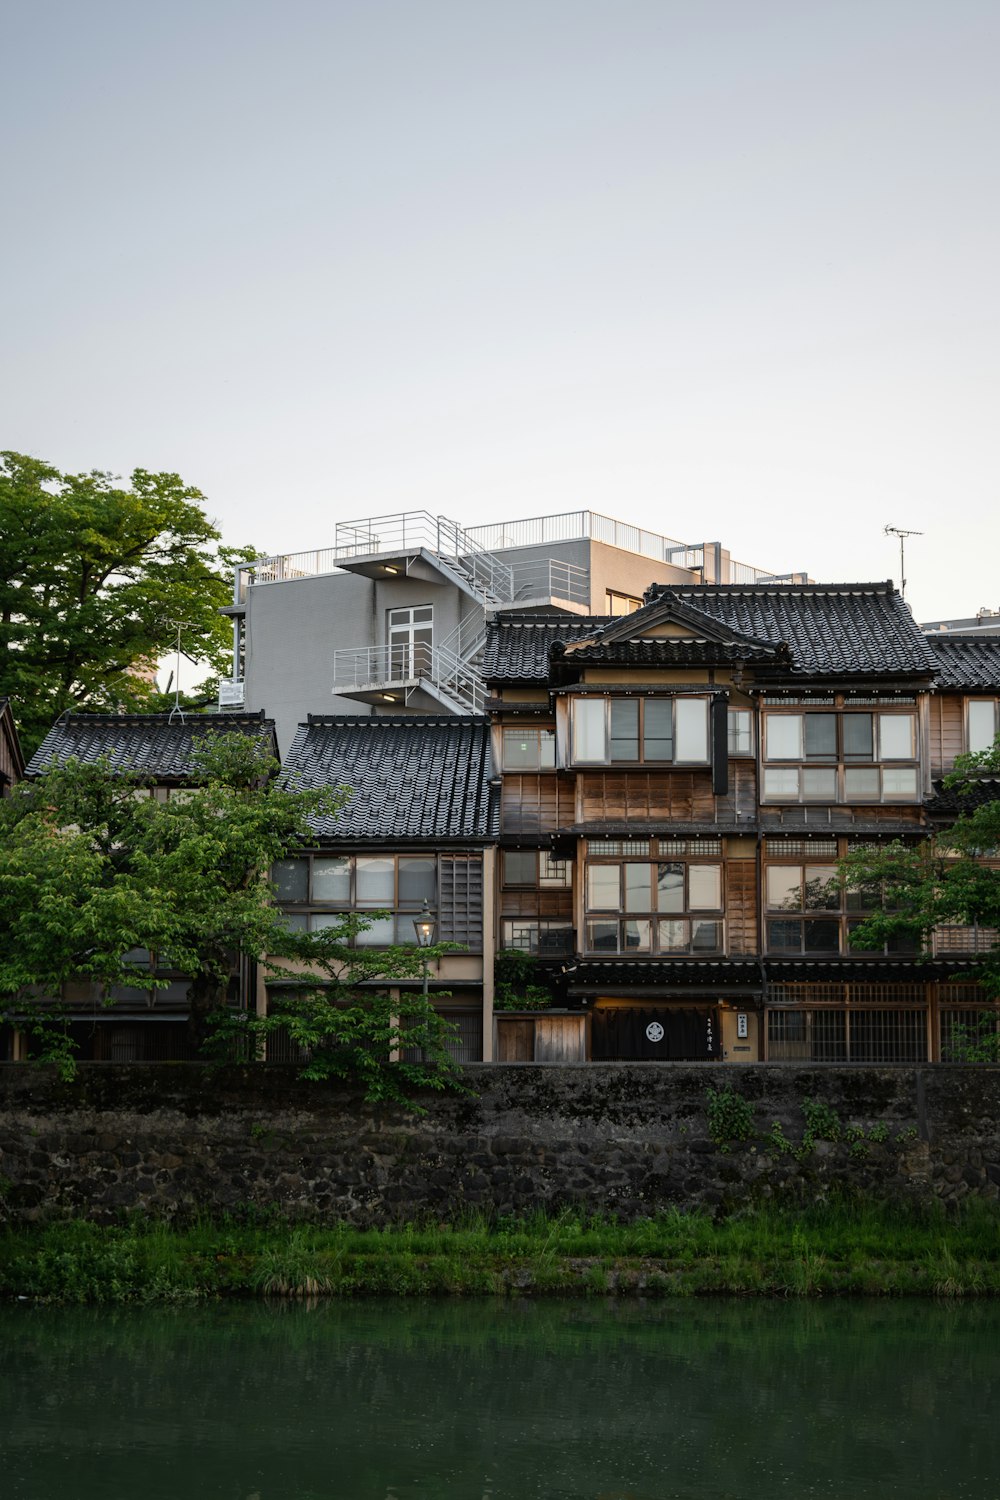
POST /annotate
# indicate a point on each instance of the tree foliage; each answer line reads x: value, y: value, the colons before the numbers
x: 94, y: 576
x: 952, y: 881
x: 90, y: 868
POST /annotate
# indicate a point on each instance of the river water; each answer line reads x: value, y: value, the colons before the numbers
x: 380, y: 1400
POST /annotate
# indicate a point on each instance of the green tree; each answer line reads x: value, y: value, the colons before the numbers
x: 950, y: 881
x: 90, y: 870
x: 94, y: 576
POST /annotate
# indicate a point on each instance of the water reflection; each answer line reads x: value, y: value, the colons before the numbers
x: 491, y: 1401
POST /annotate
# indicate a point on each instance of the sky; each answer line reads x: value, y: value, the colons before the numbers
x: 724, y: 268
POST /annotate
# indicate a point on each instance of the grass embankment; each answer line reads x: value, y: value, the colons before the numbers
x: 822, y: 1251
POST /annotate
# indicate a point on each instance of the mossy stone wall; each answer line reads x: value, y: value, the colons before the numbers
x: 174, y: 1140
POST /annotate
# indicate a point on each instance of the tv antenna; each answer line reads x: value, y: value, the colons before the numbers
x: 178, y: 625
x: 898, y: 531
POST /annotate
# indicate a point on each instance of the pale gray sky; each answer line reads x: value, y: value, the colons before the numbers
x: 723, y: 267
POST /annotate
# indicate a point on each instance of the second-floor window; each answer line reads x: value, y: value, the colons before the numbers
x: 666, y: 906
x: 827, y: 755
x: 640, y: 731
x: 316, y: 892
x: 981, y: 731
x: 808, y: 911
x: 529, y: 749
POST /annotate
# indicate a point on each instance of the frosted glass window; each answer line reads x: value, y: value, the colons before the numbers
x: 861, y: 782
x: 603, y: 888
x: 784, y: 783
x: 895, y: 736
x: 740, y: 732
x: 691, y: 729
x: 295, y: 921
x: 291, y: 879
x: 380, y: 934
x: 899, y: 781
x: 320, y: 921
x: 638, y: 887
x: 417, y: 882
x: 704, y: 887
x: 528, y: 749
x: 332, y: 880
x: 376, y: 882
x: 820, y: 784
x: 670, y: 887
x: 982, y: 723
x: 588, y: 730
x: 784, y: 737
x: 784, y: 887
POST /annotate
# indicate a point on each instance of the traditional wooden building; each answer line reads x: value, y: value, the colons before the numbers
x: 11, y: 759
x: 416, y: 836
x: 137, y: 1023
x: 677, y: 788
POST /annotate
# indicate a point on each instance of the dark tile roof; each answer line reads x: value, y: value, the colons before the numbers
x: 949, y: 802
x: 412, y: 776
x: 673, y: 653
x: 833, y: 629
x: 850, y: 630
x: 148, y: 744
x: 967, y: 663
x: 677, y: 975
x: 517, y: 646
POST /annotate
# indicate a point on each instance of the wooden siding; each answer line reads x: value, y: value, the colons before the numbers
x: 535, y: 804
x: 741, y: 906
x: 515, y: 1039
x: 536, y: 903
x: 947, y: 731
x: 835, y: 819
x: 646, y: 796
x: 560, y: 1039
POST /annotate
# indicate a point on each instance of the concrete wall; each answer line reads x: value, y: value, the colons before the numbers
x: 292, y: 628
x: 625, y: 1139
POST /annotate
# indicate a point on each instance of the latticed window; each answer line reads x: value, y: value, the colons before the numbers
x: 859, y: 1035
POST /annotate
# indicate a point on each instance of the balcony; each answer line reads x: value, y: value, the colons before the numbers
x: 409, y: 543
x: 396, y: 675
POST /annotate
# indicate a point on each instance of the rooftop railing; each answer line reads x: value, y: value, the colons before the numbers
x: 470, y: 551
x: 387, y: 536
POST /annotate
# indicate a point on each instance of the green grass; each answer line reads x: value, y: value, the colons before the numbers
x: 831, y: 1250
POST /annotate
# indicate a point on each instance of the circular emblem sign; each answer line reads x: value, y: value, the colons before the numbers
x: 654, y: 1031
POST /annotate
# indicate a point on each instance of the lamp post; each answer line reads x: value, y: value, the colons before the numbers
x: 424, y: 926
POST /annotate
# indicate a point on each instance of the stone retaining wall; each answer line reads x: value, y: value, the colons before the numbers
x: 176, y: 1139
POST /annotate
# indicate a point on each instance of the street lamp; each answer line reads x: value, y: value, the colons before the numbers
x: 424, y: 926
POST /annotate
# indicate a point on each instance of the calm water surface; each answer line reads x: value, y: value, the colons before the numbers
x: 501, y: 1401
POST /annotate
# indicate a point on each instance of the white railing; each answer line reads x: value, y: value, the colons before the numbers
x: 551, y: 579
x: 573, y: 525
x: 388, y: 536
x: 468, y: 637
x: 382, y: 668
